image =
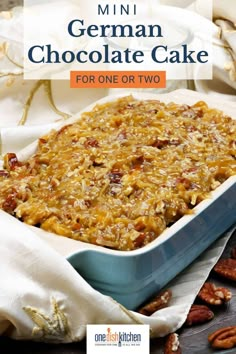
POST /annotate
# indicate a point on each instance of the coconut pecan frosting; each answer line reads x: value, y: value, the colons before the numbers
x: 123, y: 172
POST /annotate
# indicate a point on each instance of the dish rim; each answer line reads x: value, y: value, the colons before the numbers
x: 179, y: 224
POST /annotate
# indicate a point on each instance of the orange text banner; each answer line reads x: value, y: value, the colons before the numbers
x: 117, y: 79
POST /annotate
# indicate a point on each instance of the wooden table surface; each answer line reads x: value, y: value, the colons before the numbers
x: 193, y: 340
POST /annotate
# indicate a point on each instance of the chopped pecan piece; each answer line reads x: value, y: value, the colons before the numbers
x: 190, y: 113
x: 162, y: 143
x: 232, y: 144
x: 191, y: 128
x: 172, y: 345
x: 115, y: 176
x: 97, y: 163
x: 191, y: 170
x: 184, y: 181
x: 184, y: 107
x: 213, y: 295
x: 130, y: 106
x: 226, y: 268
x: 198, y: 314
x: 122, y: 136
x: 4, y: 173
x: 153, y: 111
x: 42, y: 141
x: 157, y: 303
x: 139, y: 241
x: 11, y: 161
x: 91, y: 142
x: 137, y: 163
x: 63, y: 129
x: 223, y: 338
x: 10, y: 203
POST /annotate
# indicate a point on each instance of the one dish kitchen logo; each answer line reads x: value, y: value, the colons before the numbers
x: 119, y: 338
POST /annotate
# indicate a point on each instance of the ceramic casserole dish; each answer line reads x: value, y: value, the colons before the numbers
x: 130, y: 277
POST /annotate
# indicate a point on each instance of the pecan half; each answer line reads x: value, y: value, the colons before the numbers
x: 224, y: 338
x: 233, y: 253
x: 198, y: 314
x: 157, y: 303
x: 172, y: 344
x: 213, y: 295
x: 226, y: 268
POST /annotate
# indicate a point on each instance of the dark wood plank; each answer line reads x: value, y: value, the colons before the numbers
x: 194, y: 339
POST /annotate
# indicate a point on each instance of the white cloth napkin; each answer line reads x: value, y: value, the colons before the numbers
x: 223, y: 83
x: 42, y: 296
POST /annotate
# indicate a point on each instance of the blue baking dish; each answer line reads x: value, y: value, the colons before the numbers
x: 130, y: 277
